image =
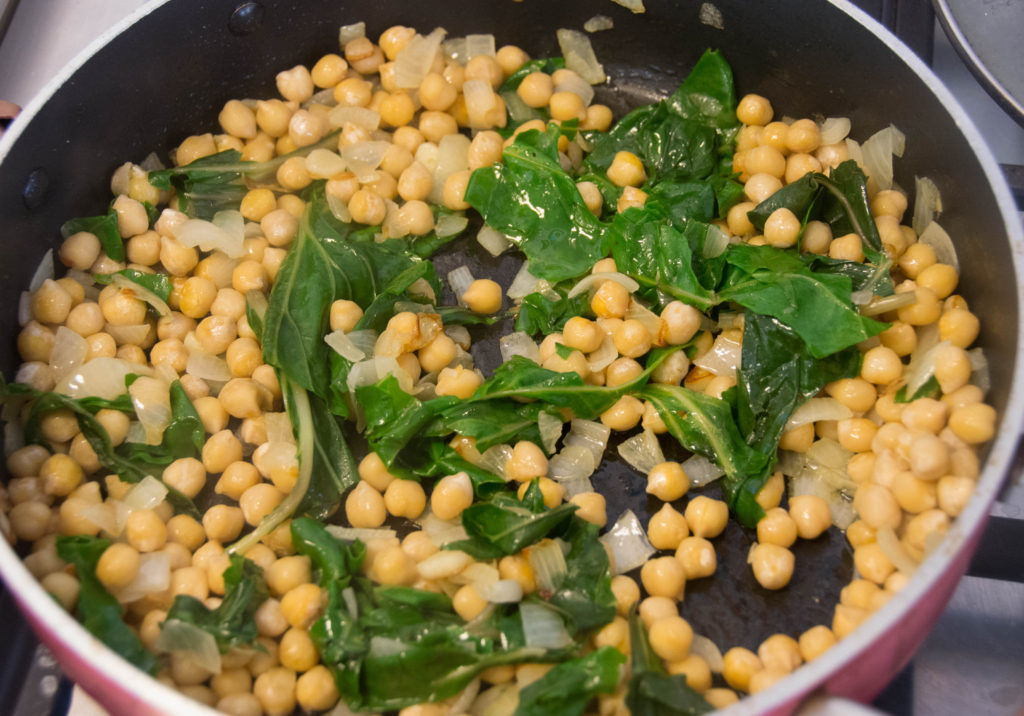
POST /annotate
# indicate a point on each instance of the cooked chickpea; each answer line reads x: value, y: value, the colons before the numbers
x: 454, y: 193
x: 697, y: 557
x: 118, y: 565
x: 772, y: 565
x: 223, y: 523
x: 667, y: 528
x: 777, y: 527
x: 811, y: 515
x: 624, y: 415
x: 671, y: 638
x: 871, y: 562
x: 627, y: 593
x: 405, y: 498
x: 626, y: 169
x: 668, y: 481
x: 275, y: 689
x: 483, y: 296
x: 632, y: 339
x: 780, y: 652
x: 706, y: 517
x: 592, y: 506
x: 754, y: 109
x: 782, y: 228
x: 458, y: 381
x: 739, y: 665
x: 364, y: 506
x: 663, y: 577
x: 451, y: 495
x: 145, y: 531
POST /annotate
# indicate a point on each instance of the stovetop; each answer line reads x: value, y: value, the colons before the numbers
x: 971, y: 663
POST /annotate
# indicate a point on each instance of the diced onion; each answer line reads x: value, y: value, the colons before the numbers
x: 518, y: 344
x: 492, y: 240
x: 980, y: 375
x: 807, y: 483
x: 596, y: 279
x: 452, y: 157
x: 829, y: 453
x: 69, y: 351
x: 135, y: 334
x: 413, y: 61
x: 444, y: 564
x: 856, y: 153
x: 834, y: 130
x: 43, y: 272
x: 700, y: 470
x: 502, y: 591
x: 24, y: 308
x: 816, y: 409
x: 450, y: 224
x: 922, y: 367
x: 578, y: 86
x: 465, y: 699
x: 710, y: 15
x: 628, y: 543
x: 523, y: 284
x: 101, y: 377
x: 716, y: 242
x: 723, y: 358
x: 642, y: 451
x: 152, y: 400
x: 359, y: 116
x: 427, y: 155
x: 579, y: 55
x: 927, y: 203
x: 102, y: 514
x: 146, y: 494
x: 517, y: 109
x: 495, y: 458
x: 604, y: 356
x: 154, y: 576
x: 374, y: 369
x: 460, y: 279
x: 186, y: 639
x: 480, y: 101
x: 363, y: 534
x: 895, y: 551
x: 347, y: 33
x: 141, y: 292
x: 279, y: 428
x: 879, y: 150
x: 550, y: 428
x: 499, y: 700
x: 343, y: 346
x: 459, y: 334
x: 548, y: 563
x: 441, y: 532
x: 636, y: 6
x: 937, y: 238
x: 323, y: 163
x: 572, y: 462
x: 208, y: 367
x: 479, y: 45
x: 598, y: 23
x: 639, y: 312
x: 363, y: 158
x: 543, y: 627
x: 709, y: 651
x: 454, y: 49
x: 226, y: 232
x: 589, y: 434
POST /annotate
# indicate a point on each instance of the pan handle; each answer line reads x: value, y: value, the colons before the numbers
x: 822, y: 704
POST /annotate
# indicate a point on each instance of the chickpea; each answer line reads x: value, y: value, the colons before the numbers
x: 626, y: 168
x: 458, y: 381
x: 780, y: 652
x: 118, y: 565
x: 706, y: 517
x: 288, y: 573
x: 739, y: 665
x: 671, y: 637
x: 451, y: 495
x: 592, y: 507
x: 632, y: 339
x: 364, y: 506
x: 221, y: 449
x: 777, y: 527
x: 697, y: 556
x: 668, y: 481
x: 974, y: 424
x: 275, y: 689
x: 145, y: 531
x: 223, y: 523
x: 258, y: 501
x: 611, y: 300
x: 811, y: 515
x: 877, y: 507
x: 754, y: 109
x: 871, y: 562
x: 816, y: 641
x: 663, y: 577
x: 624, y: 415
x: 772, y: 565
x: 454, y: 192
x: 782, y: 228
x: 881, y: 366
x: 627, y: 593
x: 667, y: 528
x: 405, y: 498
x: 315, y: 690
x: 482, y: 296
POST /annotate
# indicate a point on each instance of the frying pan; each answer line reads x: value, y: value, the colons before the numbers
x: 166, y: 72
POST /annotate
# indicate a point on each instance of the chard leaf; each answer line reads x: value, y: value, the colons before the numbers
x: 930, y: 389
x: 659, y: 257
x: 585, y: 596
x: 706, y: 425
x: 105, y: 229
x: 157, y: 283
x: 490, y: 423
x: 322, y: 266
x: 504, y: 525
x: 708, y: 93
x: 207, y: 185
x: 437, y: 459
x: 533, y: 201
x: 817, y: 306
x: 233, y: 622
x: 394, y: 418
x: 776, y: 376
x: 540, y: 314
x: 652, y: 692
x: 100, y: 613
x: 570, y: 686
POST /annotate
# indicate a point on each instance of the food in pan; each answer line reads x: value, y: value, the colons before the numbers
x: 260, y: 455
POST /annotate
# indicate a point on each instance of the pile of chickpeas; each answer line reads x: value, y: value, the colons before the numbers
x: 915, y: 464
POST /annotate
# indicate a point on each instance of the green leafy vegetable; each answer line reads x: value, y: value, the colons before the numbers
x: 652, y: 692
x: 535, y: 203
x: 569, y: 687
x: 233, y: 622
x: 540, y: 314
x: 105, y: 229
x: 99, y: 612
x: 543, y: 64
x: 157, y: 283
x: 504, y: 525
